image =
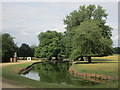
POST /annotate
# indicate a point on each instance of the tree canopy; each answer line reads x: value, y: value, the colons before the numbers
x: 82, y: 24
x: 50, y: 45
x: 88, y: 41
x: 8, y: 46
x: 25, y: 51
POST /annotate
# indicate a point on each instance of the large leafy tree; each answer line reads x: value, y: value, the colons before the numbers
x: 88, y: 41
x: 86, y: 13
x: 50, y: 45
x: 8, y: 47
x: 24, y: 51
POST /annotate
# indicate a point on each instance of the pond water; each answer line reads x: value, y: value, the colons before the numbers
x: 56, y: 72
x: 32, y: 75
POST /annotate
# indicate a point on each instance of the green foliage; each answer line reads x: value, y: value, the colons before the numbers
x: 25, y: 51
x: 84, y: 40
x: 8, y: 46
x: 50, y: 45
x: 88, y: 41
x: 85, y: 13
x: 117, y: 50
x: 32, y: 50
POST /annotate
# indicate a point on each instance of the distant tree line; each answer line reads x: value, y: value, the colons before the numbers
x: 25, y: 51
x: 117, y: 50
x: 8, y: 48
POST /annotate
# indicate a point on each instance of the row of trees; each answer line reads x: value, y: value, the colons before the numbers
x: 117, y: 50
x: 25, y: 51
x: 55, y: 47
x: 86, y: 35
x: 8, y: 48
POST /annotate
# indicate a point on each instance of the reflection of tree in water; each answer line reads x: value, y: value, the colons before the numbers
x: 53, y: 72
x: 58, y: 73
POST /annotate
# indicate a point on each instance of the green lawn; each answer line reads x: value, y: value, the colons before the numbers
x: 100, y: 65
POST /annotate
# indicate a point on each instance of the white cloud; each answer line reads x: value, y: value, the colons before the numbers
x: 26, y: 14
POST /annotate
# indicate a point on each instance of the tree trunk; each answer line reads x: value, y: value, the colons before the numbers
x: 89, y: 59
x: 81, y: 59
x: 56, y: 58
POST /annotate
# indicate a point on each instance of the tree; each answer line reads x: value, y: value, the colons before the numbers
x: 92, y: 43
x: 24, y: 51
x: 8, y: 47
x: 50, y: 45
x: 117, y: 50
x: 32, y: 50
x: 86, y: 13
x: 0, y: 47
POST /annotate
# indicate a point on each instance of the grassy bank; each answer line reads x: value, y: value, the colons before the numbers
x: 107, y: 66
x: 100, y: 65
x: 10, y: 75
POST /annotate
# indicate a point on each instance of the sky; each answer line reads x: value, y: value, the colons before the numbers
x: 25, y: 20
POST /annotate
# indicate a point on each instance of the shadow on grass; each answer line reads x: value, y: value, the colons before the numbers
x: 102, y: 60
x: 96, y: 61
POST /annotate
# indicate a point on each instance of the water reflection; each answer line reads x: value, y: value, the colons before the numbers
x: 56, y: 72
x: 32, y: 75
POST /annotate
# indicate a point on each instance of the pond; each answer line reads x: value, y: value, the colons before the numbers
x: 55, y: 72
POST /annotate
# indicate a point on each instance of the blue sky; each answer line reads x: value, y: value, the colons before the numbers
x: 25, y: 20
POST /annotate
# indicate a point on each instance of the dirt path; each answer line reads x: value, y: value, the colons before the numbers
x: 4, y: 83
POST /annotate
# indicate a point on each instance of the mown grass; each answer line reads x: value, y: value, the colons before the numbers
x: 9, y: 74
x: 114, y: 57
x: 107, y: 66
x: 100, y: 65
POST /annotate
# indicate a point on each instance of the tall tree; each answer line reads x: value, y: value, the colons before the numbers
x: 85, y: 13
x: 88, y: 41
x: 50, y: 45
x: 24, y: 51
x: 8, y: 47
